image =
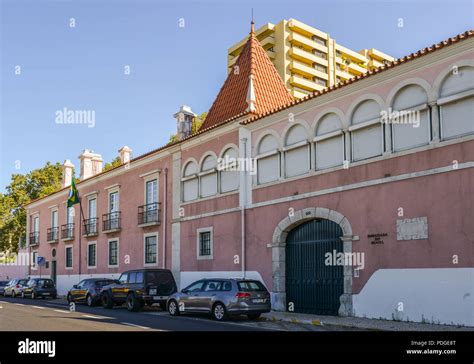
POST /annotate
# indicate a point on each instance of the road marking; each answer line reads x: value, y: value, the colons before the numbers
x: 19, y: 304
x: 140, y: 327
x: 62, y: 311
x: 94, y: 317
x: 1, y: 306
x: 39, y: 307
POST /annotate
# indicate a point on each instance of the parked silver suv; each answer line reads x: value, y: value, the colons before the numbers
x: 221, y: 298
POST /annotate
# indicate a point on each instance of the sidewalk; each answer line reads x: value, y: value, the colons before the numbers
x: 359, y: 322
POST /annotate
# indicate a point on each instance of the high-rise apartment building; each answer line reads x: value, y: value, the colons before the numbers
x: 308, y: 59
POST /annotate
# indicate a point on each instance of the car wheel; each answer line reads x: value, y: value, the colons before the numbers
x: 133, y: 305
x: 89, y: 300
x: 107, y: 301
x: 219, y: 312
x: 173, y: 308
x: 22, y: 294
x: 33, y: 296
x: 13, y: 294
x: 69, y: 298
x: 253, y: 316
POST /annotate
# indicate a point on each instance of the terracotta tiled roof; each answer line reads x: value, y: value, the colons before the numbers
x: 269, y: 89
x: 206, y: 128
x: 410, y: 57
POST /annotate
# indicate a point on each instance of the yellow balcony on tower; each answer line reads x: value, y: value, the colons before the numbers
x: 298, y: 39
x: 379, y: 56
x: 305, y: 29
x: 303, y: 83
x: 374, y: 64
x: 308, y: 57
x: 305, y: 70
x: 347, y: 53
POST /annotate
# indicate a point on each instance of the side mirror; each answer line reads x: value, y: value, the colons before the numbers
x: 75, y: 286
x: 185, y: 291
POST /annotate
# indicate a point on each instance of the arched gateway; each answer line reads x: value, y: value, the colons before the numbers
x: 299, y: 244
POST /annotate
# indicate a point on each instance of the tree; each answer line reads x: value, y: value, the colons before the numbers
x: 24, y: 188
x: 115, y: 163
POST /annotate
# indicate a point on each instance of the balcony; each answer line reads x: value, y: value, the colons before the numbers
x: 301, y: 40
x: 149, y: 215
x: 308, y: 57
x: 90, y: 227
x: 67, y: 232
x: 34, y: 238
x: 111, y: 222
x: 305, y: 84
x: 52, y: 235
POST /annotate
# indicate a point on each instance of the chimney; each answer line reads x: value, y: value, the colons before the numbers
x: 125, y: 154
x: 67, y: 173
x: 184, y: 121
x: 91, y: 164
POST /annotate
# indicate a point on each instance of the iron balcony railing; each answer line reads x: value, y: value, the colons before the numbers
x: 34, y: 238
x: 149, y: 214
x: 53, y: 234
x: 67, y: 231
x: 90, y: 226
x: 111, y: 221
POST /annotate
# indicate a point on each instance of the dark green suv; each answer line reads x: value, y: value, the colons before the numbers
x: 138, y: 287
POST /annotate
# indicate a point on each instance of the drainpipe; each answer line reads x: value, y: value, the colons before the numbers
x: 242, y: 209
x: 165, y: 199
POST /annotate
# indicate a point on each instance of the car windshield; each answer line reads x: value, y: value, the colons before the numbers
x: 250, y: 286
x: 23, y: 282
x: 3, y: 283
x: 45, y: 283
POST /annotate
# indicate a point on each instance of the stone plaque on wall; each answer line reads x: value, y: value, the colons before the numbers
x: 412, y: 229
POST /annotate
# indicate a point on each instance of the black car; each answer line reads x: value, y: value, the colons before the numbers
x: 88, y: 291
x: 3, y: 284
x: 40, y: 287
x: 139, y: 287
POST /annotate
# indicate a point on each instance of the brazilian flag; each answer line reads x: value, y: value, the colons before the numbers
x: 73, y: 197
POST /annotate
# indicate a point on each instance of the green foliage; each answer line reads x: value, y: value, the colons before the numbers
x: 115, y: 163
x: 24, y: 188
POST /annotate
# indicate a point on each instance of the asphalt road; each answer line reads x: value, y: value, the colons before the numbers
x: 18, y: 314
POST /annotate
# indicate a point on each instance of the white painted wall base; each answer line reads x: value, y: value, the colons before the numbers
x: 434, y: 295
x: 65, y: 282
x: 189, y: 277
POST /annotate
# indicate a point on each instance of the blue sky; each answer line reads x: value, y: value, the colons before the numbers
x: 82, y: 68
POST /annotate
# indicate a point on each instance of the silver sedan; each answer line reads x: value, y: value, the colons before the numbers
x: 221, y: 298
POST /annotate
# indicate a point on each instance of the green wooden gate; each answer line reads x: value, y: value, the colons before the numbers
x: 311, y: 285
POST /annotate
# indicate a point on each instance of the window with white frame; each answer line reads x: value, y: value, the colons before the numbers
x: 190, y: 182
x: 91, y: 255
x: 151, y: 249
x: 410, y: 120
x: 268, y: 160
x: 329, y: 142
x: 34, y: 258
x: 296, y: 151
x: 366, y: 131
x: 456, y: 103
x: 69, y: 257
x: 204, y: 244
x: 208, y: 176
x: 229, y: 179
x: 113, y: 251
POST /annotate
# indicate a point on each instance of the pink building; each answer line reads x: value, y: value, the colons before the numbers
x: 357, y: 200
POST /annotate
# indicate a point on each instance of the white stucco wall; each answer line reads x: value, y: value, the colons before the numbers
x: 434, y: 295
